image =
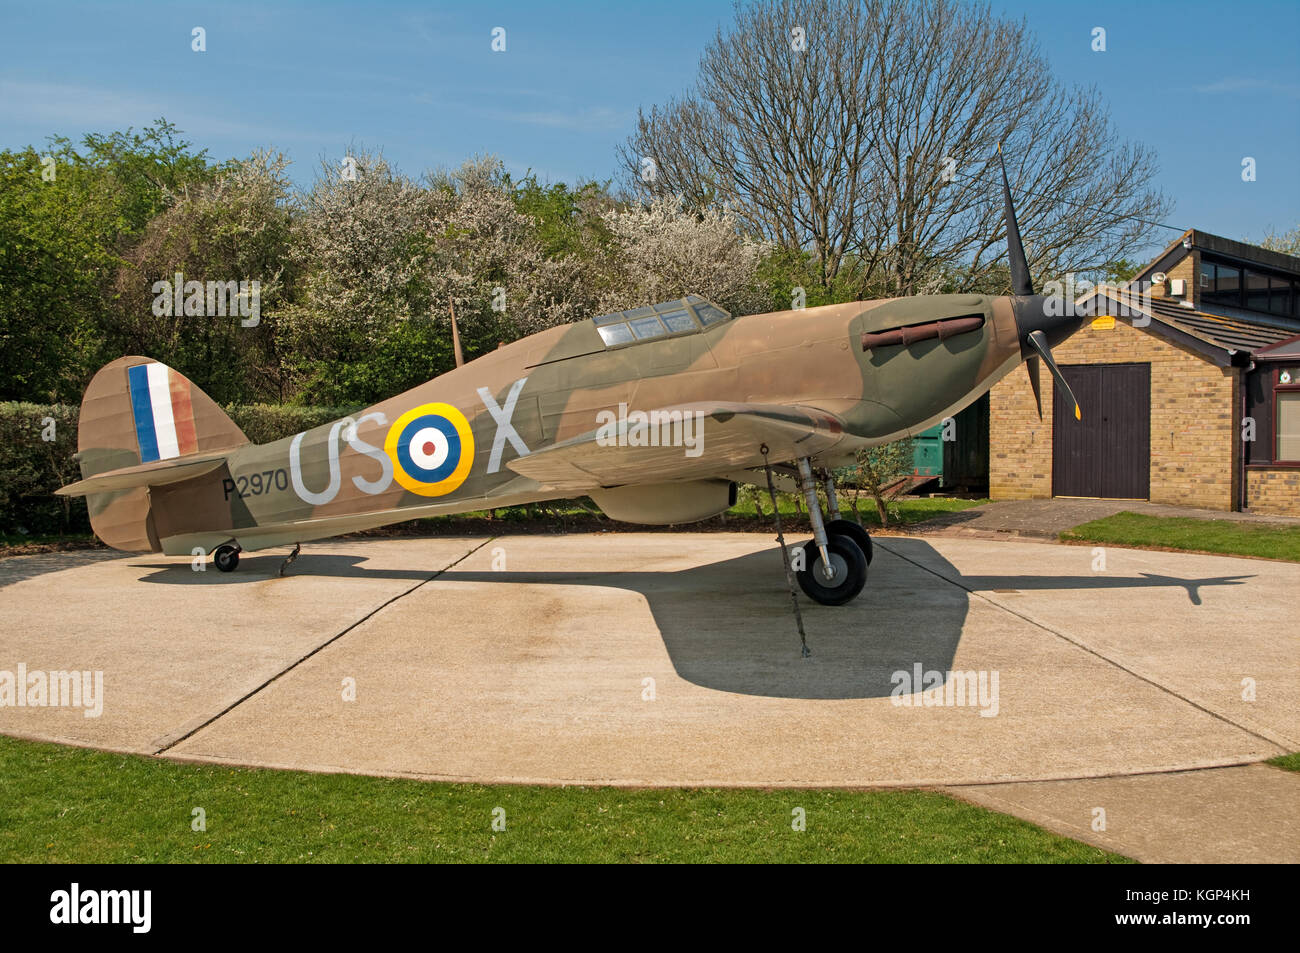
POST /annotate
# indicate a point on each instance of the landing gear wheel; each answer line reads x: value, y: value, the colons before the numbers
x: 226, y: 558
x: 854, y: 532
x: 849, y: 563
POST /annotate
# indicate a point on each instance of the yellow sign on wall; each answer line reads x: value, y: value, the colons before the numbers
x: 1104, y: 323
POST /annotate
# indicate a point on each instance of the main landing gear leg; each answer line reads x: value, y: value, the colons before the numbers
x: 843, y: 527
x: 835, y: 566
x: 809, y: 487
x: 297, y: 548
x: 832, y: 501
x: 785, y: 557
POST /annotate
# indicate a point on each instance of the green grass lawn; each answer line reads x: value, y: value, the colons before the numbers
x: 907, y: 511
x: 65, y: 804
x: 1230, y: 537
x: 904, y: 511
x: 1288, y: 762
x: 570, y: 517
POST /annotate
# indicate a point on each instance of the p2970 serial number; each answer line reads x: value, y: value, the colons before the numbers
x: 255, y: 484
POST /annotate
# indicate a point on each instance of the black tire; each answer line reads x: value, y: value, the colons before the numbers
x: 226, y: 558
x: 851, y: 571
x: 854, y: 532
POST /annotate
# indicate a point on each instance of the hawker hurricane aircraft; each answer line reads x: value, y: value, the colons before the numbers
x: 655, y: 413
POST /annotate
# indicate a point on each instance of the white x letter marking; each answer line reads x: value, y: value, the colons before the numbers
x: 505, y: 429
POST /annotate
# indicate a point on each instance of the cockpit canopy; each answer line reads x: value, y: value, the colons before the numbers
x: 689, y: 315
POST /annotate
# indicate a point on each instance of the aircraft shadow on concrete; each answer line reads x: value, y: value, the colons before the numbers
x: 728, y: 625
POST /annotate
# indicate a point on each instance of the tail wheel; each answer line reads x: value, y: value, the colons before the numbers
x: 226, y: 558
x: 849, y: 565
x: 854, y: 532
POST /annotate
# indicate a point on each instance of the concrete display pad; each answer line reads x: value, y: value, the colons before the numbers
x: 1248, y: 814
x: 667, y: 659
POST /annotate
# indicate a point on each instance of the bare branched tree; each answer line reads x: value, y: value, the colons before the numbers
x: 865, y: 132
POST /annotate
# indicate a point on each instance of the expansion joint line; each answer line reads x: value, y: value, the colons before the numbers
x: 328, y: 642
x: 1090, y: 650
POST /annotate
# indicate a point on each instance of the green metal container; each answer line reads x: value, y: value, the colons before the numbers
x: 927, y: 452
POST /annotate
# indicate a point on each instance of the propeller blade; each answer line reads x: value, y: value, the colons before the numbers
x: 1021, y: 283
x: 1038, y: 341
x: 1031, y: 365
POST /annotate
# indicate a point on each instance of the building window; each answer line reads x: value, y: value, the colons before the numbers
x: 1256, y: 291
x: 1248, y: 288
x: 1288, y: 426
x: 1286, y: 416
x: 1282, y: 296
x: 1267, y: 293
x: 1220, y: 284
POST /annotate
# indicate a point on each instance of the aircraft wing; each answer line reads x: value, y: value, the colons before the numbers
x: 727, y: 436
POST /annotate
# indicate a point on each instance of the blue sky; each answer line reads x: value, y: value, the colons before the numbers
x: 1205, y: 84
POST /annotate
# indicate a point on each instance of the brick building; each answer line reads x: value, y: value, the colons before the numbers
x: 1192, y: 399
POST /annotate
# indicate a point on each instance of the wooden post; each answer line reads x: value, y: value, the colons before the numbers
x: 455, y: 335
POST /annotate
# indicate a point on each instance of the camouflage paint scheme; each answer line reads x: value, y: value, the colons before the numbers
x: 800, y: 382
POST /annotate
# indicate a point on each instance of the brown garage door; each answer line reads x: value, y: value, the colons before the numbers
x: 1108, y: 453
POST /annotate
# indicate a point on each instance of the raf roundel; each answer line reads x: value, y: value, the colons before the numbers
x: 432, y: 449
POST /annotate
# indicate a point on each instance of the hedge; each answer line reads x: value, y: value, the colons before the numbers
x: 37, y: 442
x: 264, y: 423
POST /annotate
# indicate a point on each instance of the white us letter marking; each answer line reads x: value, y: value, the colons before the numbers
x: 505, y: 429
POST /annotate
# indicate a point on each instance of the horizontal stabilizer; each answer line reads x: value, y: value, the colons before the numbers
x: 157, y: 473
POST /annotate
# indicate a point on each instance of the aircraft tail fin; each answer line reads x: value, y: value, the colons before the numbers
x: 143, y: 424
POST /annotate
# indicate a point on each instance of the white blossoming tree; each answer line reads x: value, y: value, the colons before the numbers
x: 667, y: 252
x: 385, y: 260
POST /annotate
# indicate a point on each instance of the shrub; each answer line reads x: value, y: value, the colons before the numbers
x: 266, y: 423
x: 37, y: 442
